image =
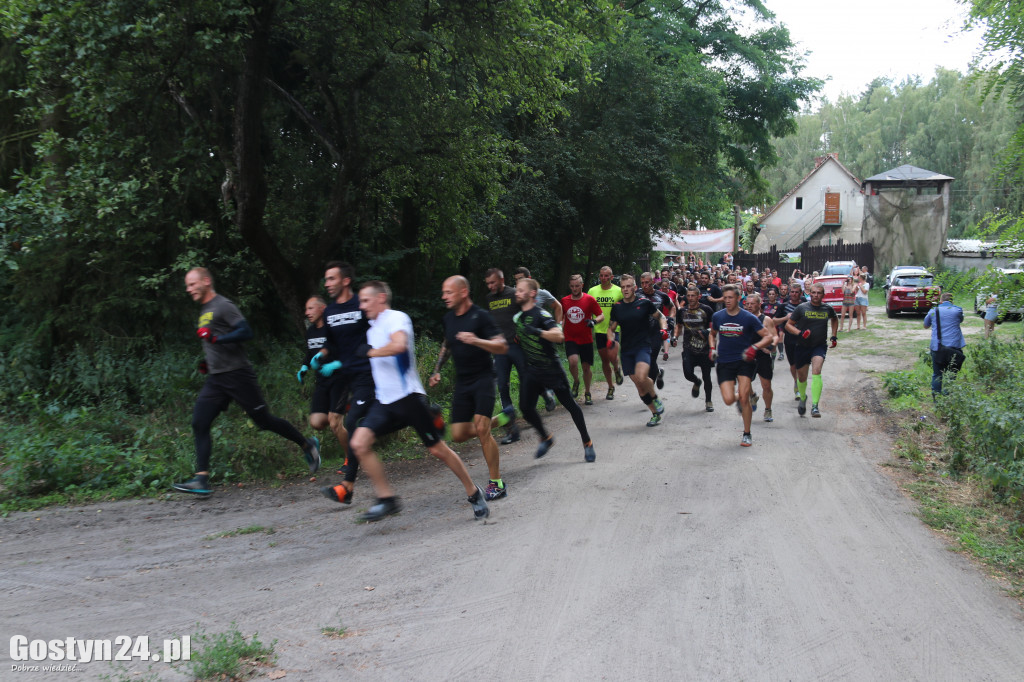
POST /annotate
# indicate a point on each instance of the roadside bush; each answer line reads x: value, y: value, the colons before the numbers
x: 985, y: 415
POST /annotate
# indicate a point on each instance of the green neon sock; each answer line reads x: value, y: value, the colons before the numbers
x: 802, y: 385
x: 498, y: 482
x: 815, y: 388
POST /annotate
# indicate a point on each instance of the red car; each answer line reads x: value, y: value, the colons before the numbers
x: 911, y: 291
x: 832, y: 277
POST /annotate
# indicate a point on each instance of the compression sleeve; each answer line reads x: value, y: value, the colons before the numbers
x: 241, y: 332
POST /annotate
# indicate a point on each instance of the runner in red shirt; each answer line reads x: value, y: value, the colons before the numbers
x: 580, y: 312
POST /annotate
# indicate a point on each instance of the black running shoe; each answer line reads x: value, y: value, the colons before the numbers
x: 544, y: 446
x: 695, y: 391
x: 197, y: 485
x: 338, y: 493
x: 587, y: 400
x: 480, y: 508
x: 815, y: 412
x: 312, y: 454
x: 801, y: 408
x: 384, y: 507
x: 588, y: 453
x: 618, y: 376
x: 512, y: 436
x: 549, y: 400
x: 709, y: 406
x: 575, y: 388
x: 660, y: 381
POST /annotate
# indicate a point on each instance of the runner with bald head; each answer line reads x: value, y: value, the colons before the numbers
x: 470, y: 338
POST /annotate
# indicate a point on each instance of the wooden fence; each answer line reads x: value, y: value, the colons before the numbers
x: 811, y: 258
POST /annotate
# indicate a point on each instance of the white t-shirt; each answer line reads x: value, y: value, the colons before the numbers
x: 395, y: 377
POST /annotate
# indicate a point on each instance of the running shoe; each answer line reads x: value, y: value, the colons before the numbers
x: 801, y: 408
x: 543, y: 447
x: 618, y: 376
x: 512, y: 436
x: 384, y: 507
x: 664, y: 355
x: 768, y: 415
x: 338, y: 493
x: 587, y: 400
x: 660, y: 381
x: 746, y: 441
x: 480, y: 508
x: 505, y: 417
x: 495, y: 491
x: 549, y: 400
x: 312, y: 454
x: 659, y: 407
x: 695, y: 391
x: 753, y: 401
x: 815, y: 412
x: 655, y: 419
x: 588, y: 453
x: 197, y: 485
x: 709, y: 406
x: 575, y: 388
x: 611, y: 393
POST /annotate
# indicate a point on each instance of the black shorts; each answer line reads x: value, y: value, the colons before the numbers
x: 699, y: 358
x: 765, y: 365
x: 805, y: 353
x: 632, y: 357
x: 790, y: 344
x: 601, y: 340
x: 327, y: 393
x: 585, y: 351
x: 552, y: 379
x: 352, y: 390
x: 411, y: 411
x: 728, y: 371
x: 472, y: 396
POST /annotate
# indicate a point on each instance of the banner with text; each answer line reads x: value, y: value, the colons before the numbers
x: 715, y: 241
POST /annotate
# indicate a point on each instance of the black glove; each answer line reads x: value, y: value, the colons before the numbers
x: 363, y: 350
x: 591, y: 323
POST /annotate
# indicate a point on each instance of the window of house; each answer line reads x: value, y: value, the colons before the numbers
x: 799, y: 203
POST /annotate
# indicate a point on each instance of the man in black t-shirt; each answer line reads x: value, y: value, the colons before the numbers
x: 325, y: 389
x: 501, y: 303
x: 710, y: 294
x: 341, y: 358
x: 229, y: 377
x: 536, y: 334
x: 632, y: 316
x: 694, y: 318
x: 787, y: 346
x: 809, y: 323
x: 470, y: 338
x: 659, y: 345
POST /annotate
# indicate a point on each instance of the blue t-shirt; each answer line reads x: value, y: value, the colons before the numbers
x: 735, y: 333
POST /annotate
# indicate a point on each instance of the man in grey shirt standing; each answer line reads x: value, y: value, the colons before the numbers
x: 947, y: 340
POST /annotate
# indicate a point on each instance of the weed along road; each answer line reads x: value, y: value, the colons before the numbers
x: 677, y: 555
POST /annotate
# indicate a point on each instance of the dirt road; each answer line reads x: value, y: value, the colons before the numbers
x: 677, y: 555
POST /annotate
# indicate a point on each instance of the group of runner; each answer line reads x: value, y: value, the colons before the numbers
x: 362, y: 355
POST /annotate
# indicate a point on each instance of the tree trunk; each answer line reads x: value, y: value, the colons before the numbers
x: 250, y: 182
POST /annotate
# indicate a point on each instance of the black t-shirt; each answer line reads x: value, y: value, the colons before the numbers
x: 816, y: 318
x: 346, y: 331
x: 503, y: 308
x: 695, y: 324
x: 540, y: 353
x: 316, y: 338
x: 660, y: 300
x: 781, y: 312
x: 470, y: 361
x: 709, y: 291
x: 633, y: 321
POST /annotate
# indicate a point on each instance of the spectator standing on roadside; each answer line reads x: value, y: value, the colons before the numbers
x: 947, y: 340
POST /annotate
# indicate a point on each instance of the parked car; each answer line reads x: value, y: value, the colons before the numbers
x: 833, y: 275
x: 898, y: 268
x: 1014, y: 281
x: 910, y: 290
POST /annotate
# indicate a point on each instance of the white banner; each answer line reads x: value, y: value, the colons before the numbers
x: 714, y: 241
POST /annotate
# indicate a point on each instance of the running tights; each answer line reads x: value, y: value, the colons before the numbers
x: 205, y: 411
x: 528, y: 406
x: 689, y: 361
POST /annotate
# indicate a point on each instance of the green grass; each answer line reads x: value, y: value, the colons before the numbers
x: 248, y: 530
x: 228, y: 655
x: 334, y: 631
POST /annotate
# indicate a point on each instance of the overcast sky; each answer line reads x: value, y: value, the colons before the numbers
x: 853, y: 42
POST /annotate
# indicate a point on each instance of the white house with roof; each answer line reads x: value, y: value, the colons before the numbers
x: 827, y: 205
